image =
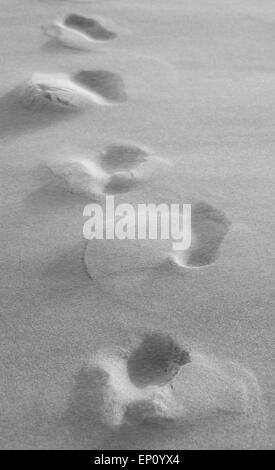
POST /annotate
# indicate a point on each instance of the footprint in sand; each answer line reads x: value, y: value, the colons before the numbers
x: 108, y: 86
x: 155, y: 360
x: 154, y: 380
x: 121, y: 158
x: 60, y: 92
x: 209, y: 227
x: 89, y: 26
x: 118, y: 168
x: 79, y: 32
x: 58, y: 96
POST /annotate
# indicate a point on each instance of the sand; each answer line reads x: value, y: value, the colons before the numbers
x: 199, y: 79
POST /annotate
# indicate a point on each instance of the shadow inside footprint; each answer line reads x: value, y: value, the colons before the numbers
x: 122, y: 157
x: 121, y: 182
x: 109, y: 85
x: 89, y: 26
x: 156, y: 360
x: 209, y: 227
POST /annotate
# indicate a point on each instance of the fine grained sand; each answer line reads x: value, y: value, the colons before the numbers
x: 200, y: 84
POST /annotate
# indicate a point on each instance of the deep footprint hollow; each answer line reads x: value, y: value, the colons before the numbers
x: 89, y: 26
x: 109, y: 85
x: 156, y: 360
x: 209, y: 228
x: 122, y: 157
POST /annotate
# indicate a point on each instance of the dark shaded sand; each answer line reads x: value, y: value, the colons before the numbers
x: 89, y: 26
x: 109, y: 85
x: 122, y: 157
x: 209, y: 227
x: 130, y: 165
x: 156, y: 360
x: 121, y: 182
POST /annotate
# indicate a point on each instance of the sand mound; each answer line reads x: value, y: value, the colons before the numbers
x: 68, y: 37
x: 158, y: 381
x: 60, y: 92
x: 121, y: 182
x: 55, y: 92
x: 212, y: 386
x: 112, y: 399
x: 80, y: 176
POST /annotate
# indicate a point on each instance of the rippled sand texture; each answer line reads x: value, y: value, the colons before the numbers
x: 151, y: 102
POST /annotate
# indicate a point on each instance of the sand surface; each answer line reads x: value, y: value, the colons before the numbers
x: 200, y: 81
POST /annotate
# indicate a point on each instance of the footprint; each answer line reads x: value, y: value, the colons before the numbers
x: 79, y: 32
x: 116, y: 397
x: 209, y: 227
x: 121, y: 182
x: 119, y: 157
x: 108, y: 86
x: 157, y: 381
x: 138, y: 272
x: 55, y: 92
x: 60, y: 92
x: 90, y: 27
x: 133, y: 253
x: 156, y: 360
x: 111, y: 171
x: 85, y: 177
x: 127, y: 158
x: 56, y: 96
x: 80, y: 176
